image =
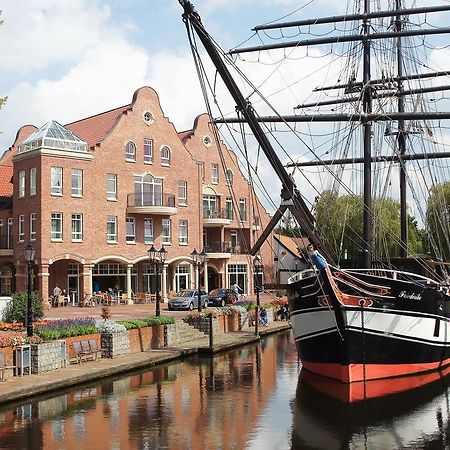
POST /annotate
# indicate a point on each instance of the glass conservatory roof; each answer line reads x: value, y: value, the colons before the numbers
x: 53, y: 135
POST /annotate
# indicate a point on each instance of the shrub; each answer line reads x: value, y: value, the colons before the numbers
x: 109, y: 326
x: 161, y: 320
x: 147, y: 322
x: 16, y: 309
x: 60, y: 329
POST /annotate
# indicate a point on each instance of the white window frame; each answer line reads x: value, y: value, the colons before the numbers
x: 229, y: 208
x: 56, y: 227
x: 130, y: 151
x: 166, y: 231
x: 183, y: 232
x: 111, y: 194
x: 22, y: 182
x: 214, y: 173
x: 182, y: 193
x: 165, y: 155
x: 130, y: 230
x: 242, y: 210
x: 111, y: 229
x: 9, y: 233
x: 32, y: 226
x: 77, y: 182
x: 33, y: 179
x: 56, y: 180
x: 148, y: 230
x: 77, y: 234
x: 21, y: 230
x: 229, y: 177
x: 148, y: 151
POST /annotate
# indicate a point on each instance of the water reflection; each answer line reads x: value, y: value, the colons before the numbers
x: 331, y: 415
x: 251, y: 398
x: 197, y: 404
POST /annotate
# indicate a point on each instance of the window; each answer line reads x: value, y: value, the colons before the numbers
x: 229, y: 177
x: 148, y: 151
x: 56, y: 227
x: 202, y: 171
x: 209, y: 207
x: 183, y: 232
x: 148, y: 117
x: 77, y: 227
x: 33, y: 181
x: 214, y: 173
x: 130, y: 151
x: 32, y: 226
x: 237, y: 273
x: 207, y: 142
x: 111, y: 229
x: 56, y: 180
x: 165, y: 156
x: 229, y: 208
x: 21, y: 230
x: 9, y: 233
x: 77, y: 182
x: 22, y: 183
x: 242, y: 210
x: 182, y: 192
x: 234, y: 239
x: 148, y: 231
x: 166, y: 231
x: 130, y: 229
x: 148, y: 191
x: 111, y: 186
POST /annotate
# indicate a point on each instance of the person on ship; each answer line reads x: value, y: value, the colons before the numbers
x: 318, y: 260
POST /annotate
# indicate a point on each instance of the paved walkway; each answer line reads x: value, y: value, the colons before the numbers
x: 18, y: 388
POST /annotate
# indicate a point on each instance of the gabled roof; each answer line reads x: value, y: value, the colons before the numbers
x: 183, y: 135
x: 95, y: 128
x: 6, y: 187
x: 292, y: 244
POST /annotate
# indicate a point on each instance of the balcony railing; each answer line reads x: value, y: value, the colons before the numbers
x: 220, y: 213
x: 137, y: 200
x: 222, y: 247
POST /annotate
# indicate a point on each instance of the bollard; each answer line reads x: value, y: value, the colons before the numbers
x: 211, y: 339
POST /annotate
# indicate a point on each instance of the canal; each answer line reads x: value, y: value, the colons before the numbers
x: 249, y: 398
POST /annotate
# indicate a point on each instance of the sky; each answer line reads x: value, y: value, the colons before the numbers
x: 66, y: 60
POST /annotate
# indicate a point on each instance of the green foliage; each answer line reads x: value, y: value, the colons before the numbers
x: 340, y: 221
x: 16, y: 309
x: 438, y: 221
x: 129, y: 324
x: 60, y: 329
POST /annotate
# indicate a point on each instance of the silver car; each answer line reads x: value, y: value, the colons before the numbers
x: 188, y: 299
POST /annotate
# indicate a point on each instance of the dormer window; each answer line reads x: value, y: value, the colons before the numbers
x: 165, y: 156
x: 130, y: 151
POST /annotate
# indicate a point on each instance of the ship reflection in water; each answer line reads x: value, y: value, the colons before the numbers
x: 251, y: 398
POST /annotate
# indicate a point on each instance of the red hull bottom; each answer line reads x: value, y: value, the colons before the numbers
x: 364, y: 372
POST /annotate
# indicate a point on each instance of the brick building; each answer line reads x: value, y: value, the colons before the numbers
x: 92, y: 197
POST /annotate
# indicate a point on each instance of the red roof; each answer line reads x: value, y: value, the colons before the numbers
x: 6, y: 187
x: 95, y: 128
x: 185, y: 134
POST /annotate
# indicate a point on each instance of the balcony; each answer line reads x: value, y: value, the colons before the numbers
x: 218, y: 249
x: 215, y: 217
x: 6, y: 245
x: 163, y: 204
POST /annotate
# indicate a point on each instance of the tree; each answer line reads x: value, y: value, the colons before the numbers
x: 438, y: 221
x: 340, y: 223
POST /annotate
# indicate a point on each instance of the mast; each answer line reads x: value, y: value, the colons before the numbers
x: 367, y: 127
x: 401, y: 138
x: 290, y: 195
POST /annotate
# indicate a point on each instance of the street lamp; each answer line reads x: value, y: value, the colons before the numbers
x: 29, y: 253
x: 198, y: 260
x: 157, y: 258
x: 258, y: 286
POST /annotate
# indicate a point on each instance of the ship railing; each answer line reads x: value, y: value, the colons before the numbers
x: 393, y: 274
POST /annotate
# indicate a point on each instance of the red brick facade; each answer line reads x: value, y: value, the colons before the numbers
x: 92, y: 262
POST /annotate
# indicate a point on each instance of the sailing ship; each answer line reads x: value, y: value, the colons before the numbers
x: 372, y: 322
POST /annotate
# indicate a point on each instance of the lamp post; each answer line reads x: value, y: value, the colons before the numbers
x: 157, y: 258
x: 29, y: 258
x: 198, y: 259
x: 257, y: 284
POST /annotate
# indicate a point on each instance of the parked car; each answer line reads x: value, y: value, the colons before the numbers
x: 188, y: 299
x: 222, y: 297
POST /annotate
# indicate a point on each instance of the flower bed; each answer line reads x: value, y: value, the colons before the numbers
x: 64, y: 328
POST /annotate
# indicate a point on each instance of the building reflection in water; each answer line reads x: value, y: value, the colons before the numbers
x: 198, y: 403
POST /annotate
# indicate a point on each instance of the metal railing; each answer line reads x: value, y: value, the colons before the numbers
x: 222, y: 247
x: 151, y: 200
x: 220, y: 213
